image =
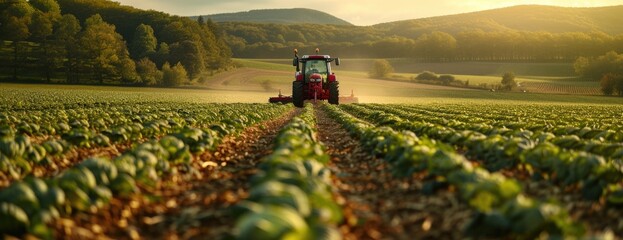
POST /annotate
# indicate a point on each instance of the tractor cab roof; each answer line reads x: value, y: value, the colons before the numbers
x: 306, y: 57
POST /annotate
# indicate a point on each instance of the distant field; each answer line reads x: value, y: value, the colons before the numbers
x: 532, y: 77
x: 254, y: 72
x: 88, y: 94
x: 460, y: 68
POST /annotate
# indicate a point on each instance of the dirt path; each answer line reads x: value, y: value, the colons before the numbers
x: 186, y: 208
x: 379, y: 205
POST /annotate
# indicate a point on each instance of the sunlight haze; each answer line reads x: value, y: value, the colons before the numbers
x: 362, y: 12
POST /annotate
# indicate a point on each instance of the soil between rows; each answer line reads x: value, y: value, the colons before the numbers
x: 379, y: 205
x: 195, y: 208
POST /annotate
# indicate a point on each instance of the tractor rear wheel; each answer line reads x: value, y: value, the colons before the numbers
x: 334, y: 92
x: 297, y: 93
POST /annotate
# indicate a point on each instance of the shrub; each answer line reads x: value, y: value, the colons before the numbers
x: 446, y: 79
x: 381, y: 68
x: 426, y: 75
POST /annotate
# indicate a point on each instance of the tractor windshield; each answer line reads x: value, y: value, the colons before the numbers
x: 316, y: 66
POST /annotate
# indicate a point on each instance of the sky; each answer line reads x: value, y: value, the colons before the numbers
x: 358, y: 12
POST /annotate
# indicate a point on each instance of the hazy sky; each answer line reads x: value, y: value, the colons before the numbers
x: 358, y: 12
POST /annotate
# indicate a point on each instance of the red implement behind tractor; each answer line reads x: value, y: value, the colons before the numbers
x: 314, y: 81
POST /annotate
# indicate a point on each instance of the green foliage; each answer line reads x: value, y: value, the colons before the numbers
x: 446, y: 79
x: 144, y: 42
x: 436, y: 45
x: 190, y: 55
x: 59, y: 48
x: 173, y: 132
x: 618, y: 86
x: 608, y: 82
x: 596, y: 68
x: 103, y: 51
x: 502, y: 208
x: 19, y: 9
x: 15, y: 29
x: 465, y: 37
x: 174, y: 76
x: 46, y: 6
x: 148, y: 72
x: 425, y: 41
x: 295, y: 182
x: 381, y: 68
x: 67, y: 28
x: 426, y: 75
x: 40, y: 26
x: 508, y: 81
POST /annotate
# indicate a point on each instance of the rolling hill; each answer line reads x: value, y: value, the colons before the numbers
x: 531, y: 18
x: 519, y: 33
x: 280, y: 16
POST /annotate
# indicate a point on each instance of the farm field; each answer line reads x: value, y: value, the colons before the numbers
x: 94, y: 162
x: 551, y: 78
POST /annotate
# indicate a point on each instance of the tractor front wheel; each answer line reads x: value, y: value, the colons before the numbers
x: 297, y: 93
x: 334, y: 92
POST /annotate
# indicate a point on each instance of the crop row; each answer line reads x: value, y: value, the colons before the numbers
x: 109, y: 120
x: 291, y: 195
x: 543, y: 154
x: 99, y: 127
x: 596, y: 143
x: 559, y: 120
x: 27, y: 98
x: 29, y: 205
x: 502, y: 208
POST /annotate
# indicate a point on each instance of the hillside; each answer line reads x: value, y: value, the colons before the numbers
x: 520, y: 33
x: 280, y: 16
x: 532, y: 18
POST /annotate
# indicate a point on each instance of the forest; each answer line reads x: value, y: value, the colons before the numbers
x: 102, y: 42
x: 256, y: 40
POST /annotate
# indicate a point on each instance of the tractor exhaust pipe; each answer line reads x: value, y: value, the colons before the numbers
x: 295, y: 61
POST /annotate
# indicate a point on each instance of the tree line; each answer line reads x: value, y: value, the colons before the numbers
x: 102, y: 42
x: 255, y: 40
x: 607, y: 69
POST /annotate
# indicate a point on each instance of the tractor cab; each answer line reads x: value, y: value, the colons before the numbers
x: 314, y: 67
x: 314, y: 64
x: 313, y: 80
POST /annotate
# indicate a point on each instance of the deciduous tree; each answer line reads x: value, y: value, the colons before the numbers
x: 607, y: 83
x: 508, y: 81
x: 103, y: 51
x: 190, y: 54
x: 173, y: 76
x: 144, y: 42
x: 66, y: 36
x: 41, y: 27
x: 148, y: 72
x: 380, y: 69
x: 14, y: 27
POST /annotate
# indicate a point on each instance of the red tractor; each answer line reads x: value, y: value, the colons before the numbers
x: 314, y: 81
